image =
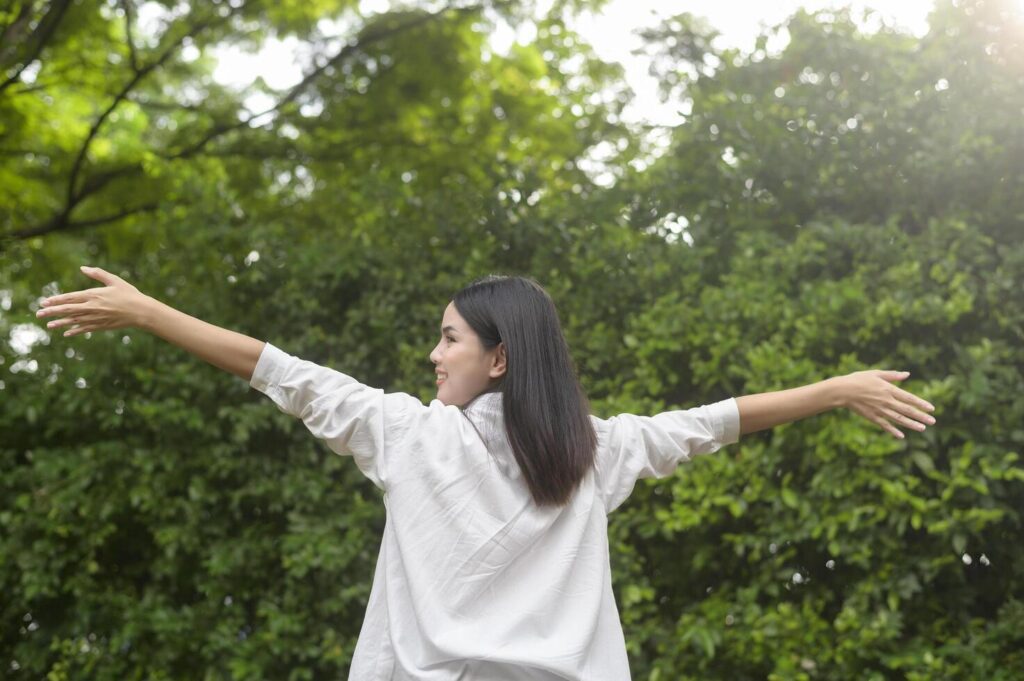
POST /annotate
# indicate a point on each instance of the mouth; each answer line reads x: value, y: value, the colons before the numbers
x: 441, y: 378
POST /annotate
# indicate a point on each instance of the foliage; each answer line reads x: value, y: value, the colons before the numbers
x: 850, y: 202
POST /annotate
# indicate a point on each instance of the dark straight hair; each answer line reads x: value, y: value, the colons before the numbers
x: 547, y: 415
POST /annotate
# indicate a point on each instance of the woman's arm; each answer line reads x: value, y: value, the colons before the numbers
x: 767, y: 410
x: 868, y: 393
x: 120, y: 305
x: 223, y: 348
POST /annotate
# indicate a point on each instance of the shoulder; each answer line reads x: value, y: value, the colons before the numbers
x: 435, y: 419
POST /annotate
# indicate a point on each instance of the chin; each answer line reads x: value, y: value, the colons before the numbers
x: 448, y: 402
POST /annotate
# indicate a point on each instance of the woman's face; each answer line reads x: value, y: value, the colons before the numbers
x: 464, y: 369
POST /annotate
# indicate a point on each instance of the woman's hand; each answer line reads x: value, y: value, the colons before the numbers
x: 872, y: 394
x: 119, y: 304
x: 114, y: 306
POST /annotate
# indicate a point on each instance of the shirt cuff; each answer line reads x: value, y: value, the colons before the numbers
x: 269, y: 369
x: 726, y: 415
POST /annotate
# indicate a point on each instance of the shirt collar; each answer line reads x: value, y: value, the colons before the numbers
x: 486, y: 412
x: 485, y: 405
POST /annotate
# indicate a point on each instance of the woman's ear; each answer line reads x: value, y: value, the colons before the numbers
x: 500, y: 362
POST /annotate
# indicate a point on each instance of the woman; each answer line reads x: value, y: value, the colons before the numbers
x: 494, y: 563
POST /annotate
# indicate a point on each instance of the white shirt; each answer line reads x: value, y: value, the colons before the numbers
x: 474, y: 582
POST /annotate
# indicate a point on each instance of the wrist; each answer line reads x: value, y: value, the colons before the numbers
x: 836, y: 391
x: 146, y: 314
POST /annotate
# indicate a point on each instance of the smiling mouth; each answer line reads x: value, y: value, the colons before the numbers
x: 441, y: 379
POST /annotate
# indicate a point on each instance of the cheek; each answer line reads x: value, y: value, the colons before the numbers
x: 451, y: 359
x: 460, y: 367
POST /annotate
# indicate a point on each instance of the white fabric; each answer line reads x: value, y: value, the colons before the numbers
x: 474, y: 582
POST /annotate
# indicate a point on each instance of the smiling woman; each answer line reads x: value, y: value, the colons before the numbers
x: 464, y: 367
x: 495, y: 561
x: 504, y: 336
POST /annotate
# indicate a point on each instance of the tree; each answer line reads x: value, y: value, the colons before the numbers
x: 162, y: 520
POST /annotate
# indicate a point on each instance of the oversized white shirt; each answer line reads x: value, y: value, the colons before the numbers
x: 474, y: 582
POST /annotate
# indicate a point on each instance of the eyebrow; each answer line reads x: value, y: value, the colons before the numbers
x: 449, y: 328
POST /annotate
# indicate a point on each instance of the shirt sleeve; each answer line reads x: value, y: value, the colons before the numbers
x: 632, y: 447
x: 353, y: 419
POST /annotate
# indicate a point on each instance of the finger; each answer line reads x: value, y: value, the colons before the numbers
x: 64, y: 298
x: 885, y: 425
x: 60, y: 310
x: 100, y: 275
x: 913, y: 399
x: 914, y: 413
x: 74, y: 331
x: 902, y: 420
x: 56, y: 323
x: 894, y: 375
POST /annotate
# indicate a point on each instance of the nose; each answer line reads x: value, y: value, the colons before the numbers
x: 435, y: 356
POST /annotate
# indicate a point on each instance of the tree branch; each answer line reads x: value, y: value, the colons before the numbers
x: 12, y: 32
x: 60, y: 222
x: 76, y: 167
x: 94, y: 183
x: 128, y: 33
x: 298, y: 89
x: 55, y: 77
x: 40, y: 37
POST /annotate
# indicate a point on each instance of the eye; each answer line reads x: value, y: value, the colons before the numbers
x: 450, y: 339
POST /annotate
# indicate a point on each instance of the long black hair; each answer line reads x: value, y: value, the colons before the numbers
x: 547, y: 414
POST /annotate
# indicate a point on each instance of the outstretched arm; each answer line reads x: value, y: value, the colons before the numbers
x: 120, y: 305
x: 767, y: 410
x: 869, y: 393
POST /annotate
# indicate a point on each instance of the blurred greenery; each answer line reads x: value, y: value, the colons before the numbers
x: 851, y: 201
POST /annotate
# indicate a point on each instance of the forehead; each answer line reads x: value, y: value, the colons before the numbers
x: 452, y: 317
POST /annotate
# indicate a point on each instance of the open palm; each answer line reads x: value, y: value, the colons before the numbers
x: 873, y: 395
x: 116, y: 305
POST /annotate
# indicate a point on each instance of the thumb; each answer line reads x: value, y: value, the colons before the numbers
x: 898, y: 375
x: 99, y: 274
